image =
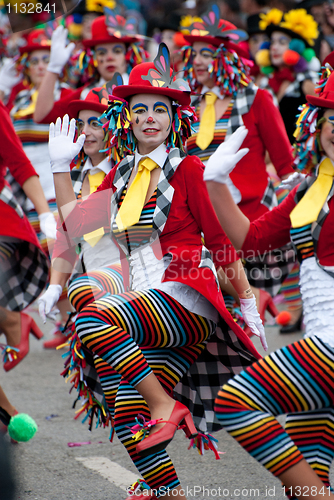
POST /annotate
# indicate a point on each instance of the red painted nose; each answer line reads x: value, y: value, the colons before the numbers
x: 150, y: 119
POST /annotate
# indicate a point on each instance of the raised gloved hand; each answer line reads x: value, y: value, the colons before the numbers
x: 253, y: 320
x: 59, y: 53
x: 9, y: 76
x: 62, y: 148
x: 293, y: 180
x: 226, y: 156
x: 48, y: 224
x: 47, y: 302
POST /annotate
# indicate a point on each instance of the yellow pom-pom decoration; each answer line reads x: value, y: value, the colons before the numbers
x: 274, y: 16
x: 262, y: 58
x: 75, y: 30
x: 302, y: 23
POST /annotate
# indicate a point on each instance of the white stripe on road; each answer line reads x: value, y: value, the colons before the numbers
x: 116, y: 474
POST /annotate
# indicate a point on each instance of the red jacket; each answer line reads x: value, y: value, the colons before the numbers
x: 266, y: 132
x: 190, y: 213
x: 60, y: 107
x: 272, y: 230
x: 13, y: 157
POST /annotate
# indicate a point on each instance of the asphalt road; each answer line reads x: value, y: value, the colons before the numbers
x: 46, y: 468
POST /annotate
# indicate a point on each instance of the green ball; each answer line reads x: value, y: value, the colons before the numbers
x: 22, y: 427
x: 267, y: 70
x: 308, y: 54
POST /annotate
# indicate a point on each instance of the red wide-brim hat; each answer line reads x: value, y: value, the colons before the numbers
x: 139, y: 86
x: 322, y: 102
x: 36, y: 40
x: 101, y: 35
x: 96, y: 100
x: 326, y: 98
x: 34, y: 46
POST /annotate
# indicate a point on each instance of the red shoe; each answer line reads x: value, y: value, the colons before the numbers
x: 56, y: 341
x: 27, y: 325
x: 266, y: 304
x: 160, y: 439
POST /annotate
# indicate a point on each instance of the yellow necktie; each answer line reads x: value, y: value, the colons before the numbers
x: 133, y: 203
x: 208, y: 122
x: 308, y: 209
x: 94, y: 181
x: 29, y: 110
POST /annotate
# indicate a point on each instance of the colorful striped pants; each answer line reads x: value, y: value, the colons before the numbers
x: 113, y: 327
x: 297, y: 380
x: 84, y: 289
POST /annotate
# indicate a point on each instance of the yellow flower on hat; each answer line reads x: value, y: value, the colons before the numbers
x: 186, y: 22
x: 302, y: 23
x: 274, y: 16
x: 98, y: 5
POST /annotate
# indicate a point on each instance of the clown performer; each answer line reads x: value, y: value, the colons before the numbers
x: 290, y: 67
x: 288, y: 60
x: 23, y: 264
x: 256, y: 38
x: 216, y: 68
x: 297, y: 379
x: 99, y: 257
x: 85, y: 13
x: 28, y: 72
x: 157, y: 207
x: 113, y: 47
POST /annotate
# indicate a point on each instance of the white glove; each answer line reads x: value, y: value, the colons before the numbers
x: 293, y: 180
x: 9, y: 76
x: 48, y: 225
x: 59, y: 54
x: 253, y: 320
x: 62, y: 149
x: 226, y: 156
x: 47, y: 302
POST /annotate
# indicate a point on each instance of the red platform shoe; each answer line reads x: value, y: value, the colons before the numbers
x: 58, y: 338
x: 266, y: 303
x: 160, y: 439
x: 28, y: 326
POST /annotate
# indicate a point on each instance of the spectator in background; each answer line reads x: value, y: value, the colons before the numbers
x: 325, y: 41
x: 229, y: 10
x: 168, y: 33
x: 283, y: 5
x: 256, y: 38
x: 251, y: 7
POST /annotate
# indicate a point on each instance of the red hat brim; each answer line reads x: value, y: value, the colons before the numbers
x: 34, y: 46
x: 125, y: 91
x: 78, y: 105
x: 320, y: 102
x: 110, y: 39
x: 216, y: 41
